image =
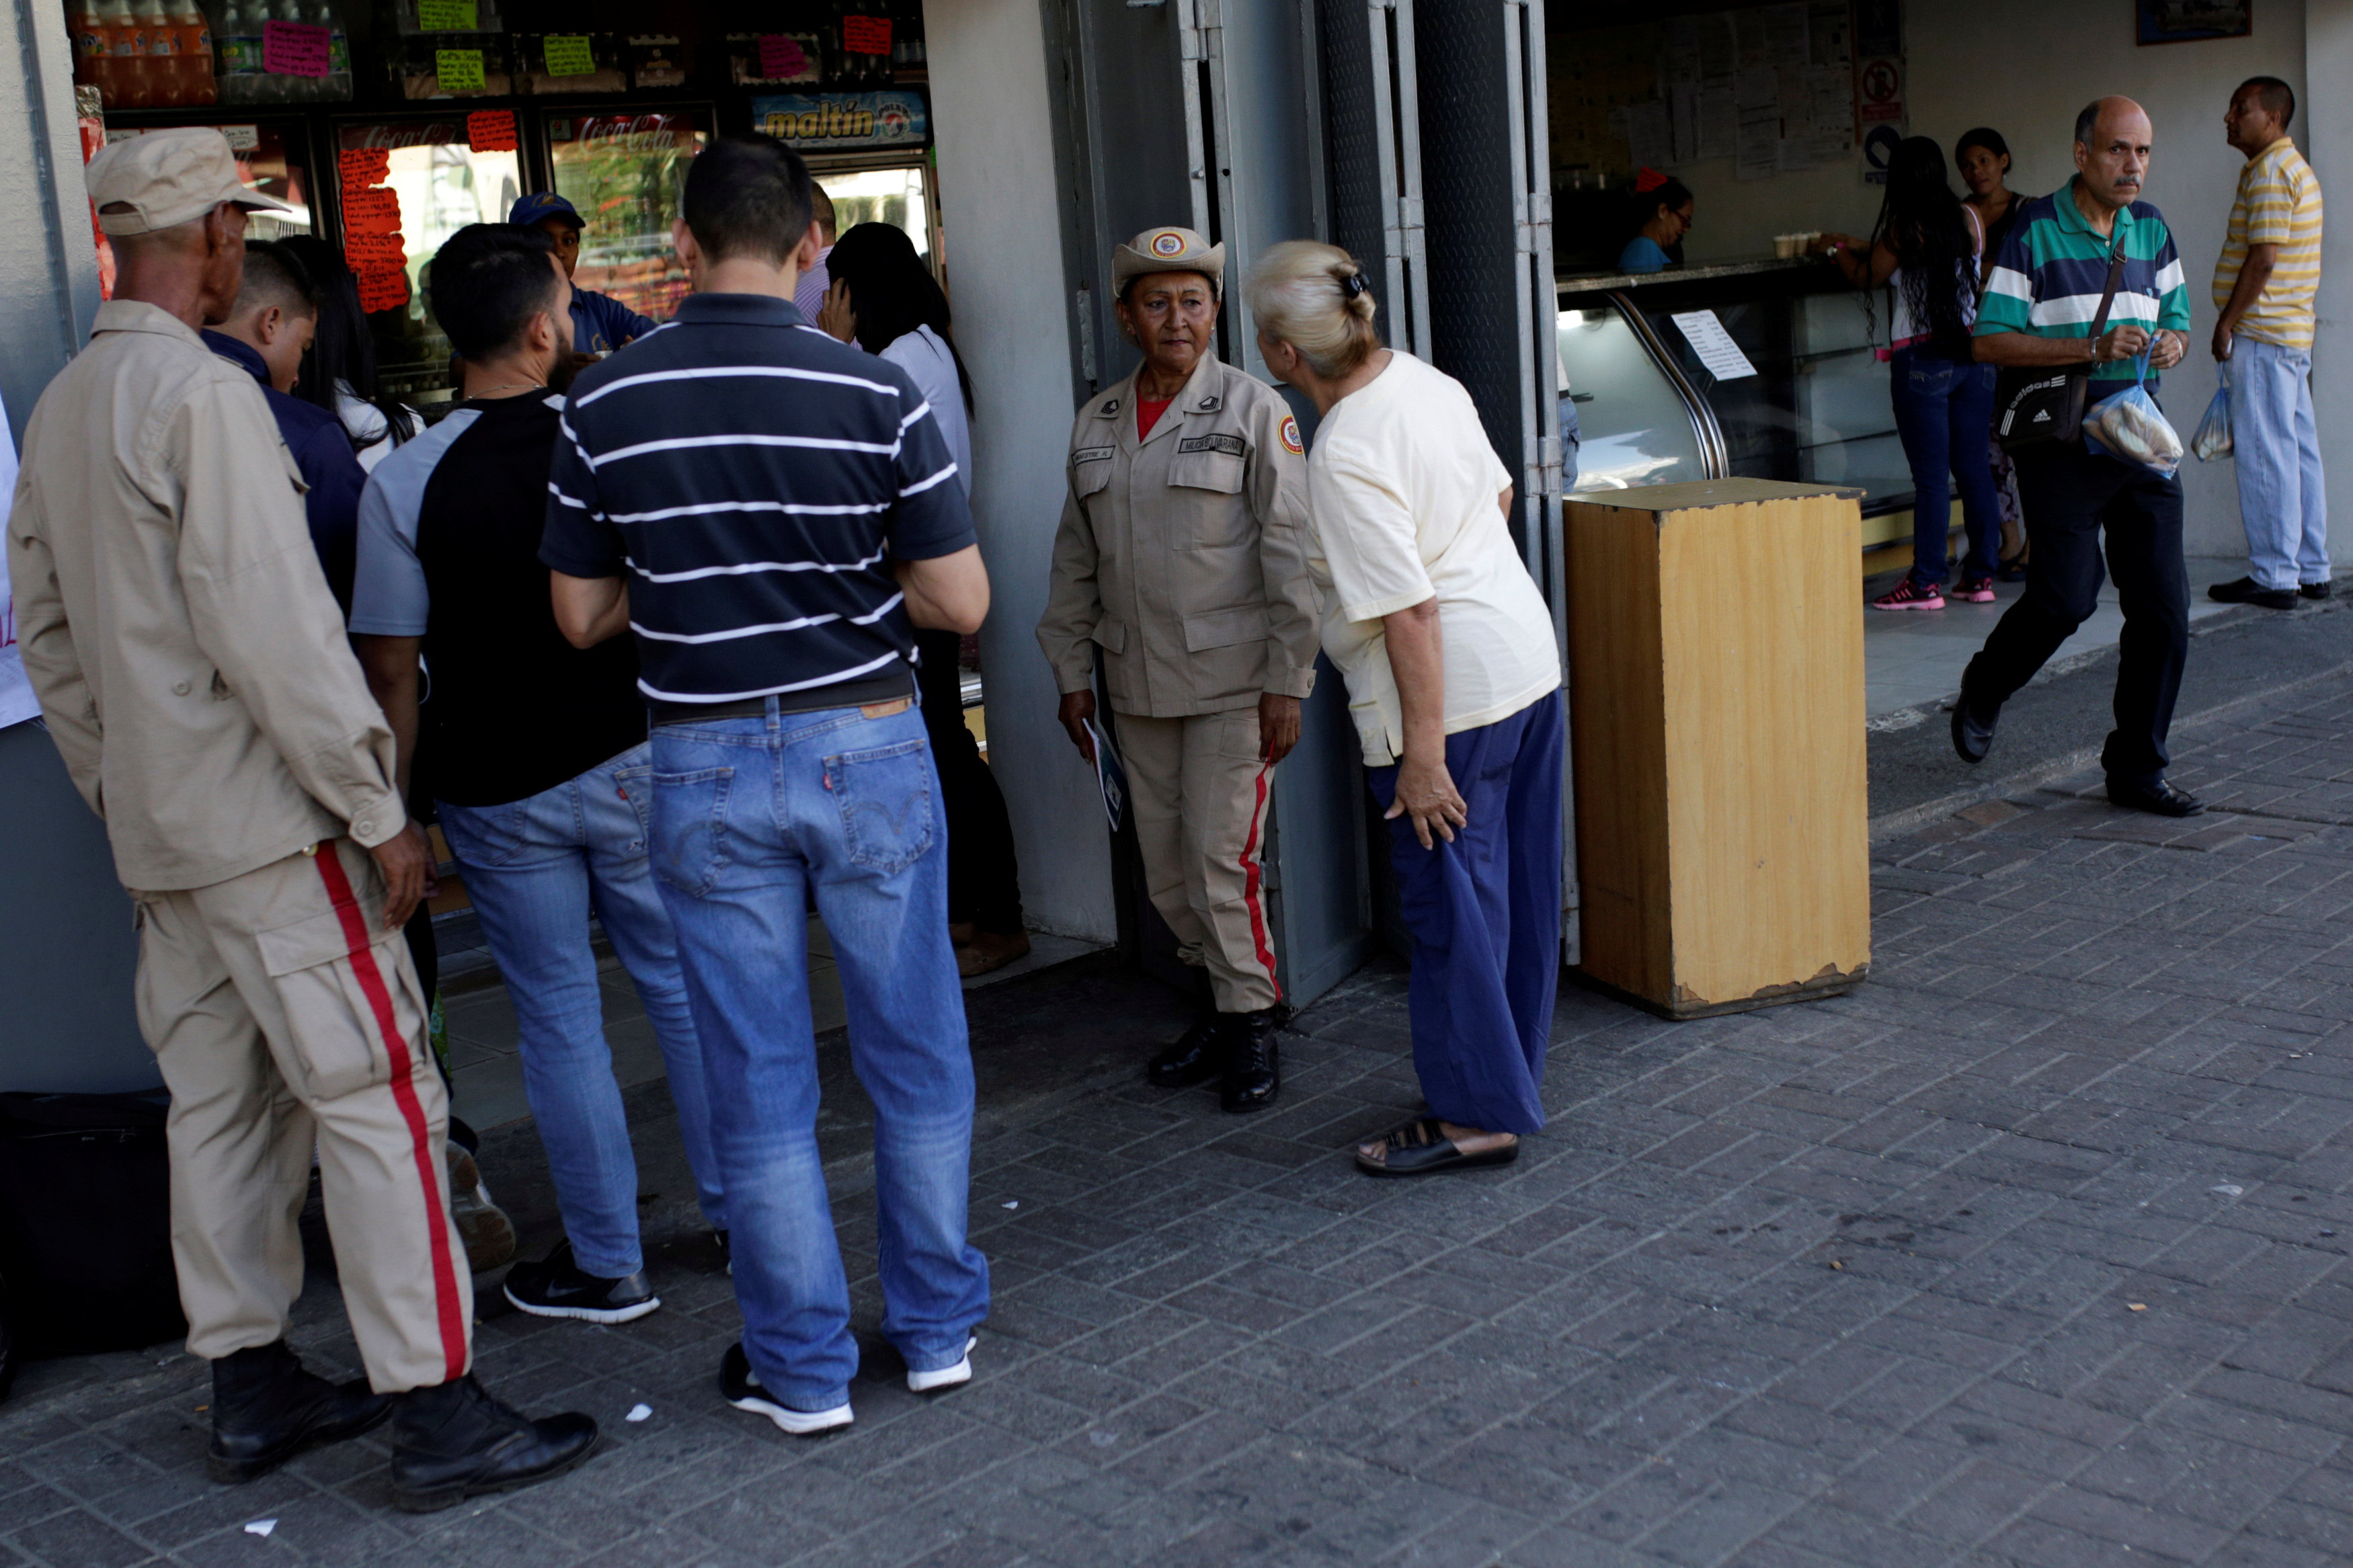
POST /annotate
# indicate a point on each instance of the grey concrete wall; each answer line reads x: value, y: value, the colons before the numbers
x: 66, y: 943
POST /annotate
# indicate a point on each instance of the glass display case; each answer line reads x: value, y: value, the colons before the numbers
x: 622, y: 168
x: 438, y: 182
x: 1653, y: 408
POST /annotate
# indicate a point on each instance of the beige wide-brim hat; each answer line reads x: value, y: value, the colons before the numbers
x: 1168, y: 250
x: 167, y: 178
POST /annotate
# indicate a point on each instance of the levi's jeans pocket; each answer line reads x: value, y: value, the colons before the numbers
x: 691, y: 829
x: 884, y: 796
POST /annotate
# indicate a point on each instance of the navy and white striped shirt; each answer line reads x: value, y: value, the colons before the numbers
x: 751, y: 480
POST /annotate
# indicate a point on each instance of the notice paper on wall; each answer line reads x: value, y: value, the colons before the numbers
x: 1714, y: 346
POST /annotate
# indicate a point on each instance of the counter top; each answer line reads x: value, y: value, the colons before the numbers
x: 1599, y: 282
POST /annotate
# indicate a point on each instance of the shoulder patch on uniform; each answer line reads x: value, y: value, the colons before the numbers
x: 1291, y: 442
x: 1232, y: 444
x: 1108, y: 409
x: 1091, y: 454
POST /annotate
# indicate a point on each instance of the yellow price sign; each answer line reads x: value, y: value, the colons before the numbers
x: 461, y: 70
x: 447, y: 15
x: 568, y: 54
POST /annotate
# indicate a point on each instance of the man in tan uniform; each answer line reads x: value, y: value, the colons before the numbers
x: 193, y: 670
x: 1182, y: 556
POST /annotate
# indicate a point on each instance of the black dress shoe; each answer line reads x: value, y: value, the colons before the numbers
x: 266, y: 1409
x: 2320, y: 590
x: 1198, y: 1055
x: 557, y: 1287
x: 1973, y: 728
x: 2160, y: 799
x: 1253, y: 1070
x: 2243, y: 590
x: 453, y: 1441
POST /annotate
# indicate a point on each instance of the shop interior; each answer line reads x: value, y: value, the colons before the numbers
x: 387, y: 127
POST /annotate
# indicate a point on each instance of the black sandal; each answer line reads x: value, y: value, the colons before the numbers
x: 1419, y: 1147
x: 2009, y: 568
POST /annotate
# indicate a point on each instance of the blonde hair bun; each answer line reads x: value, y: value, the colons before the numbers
x: 1316, y: 299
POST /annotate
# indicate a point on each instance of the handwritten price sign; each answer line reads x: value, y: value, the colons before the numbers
x: 461, y: 70
x: 376, y: 252
x: 446, y: 16
x: 569, y: 54
x: 866, y: 35
x: 362, y: 166
x: 294, y: 49
x: 490, y: 130
x: 781, y: 58
x: 382, y: 290
x: 376, y: 211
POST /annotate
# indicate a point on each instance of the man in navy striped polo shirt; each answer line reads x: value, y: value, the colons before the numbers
x: 771, y: 512
x: 2038, y: 309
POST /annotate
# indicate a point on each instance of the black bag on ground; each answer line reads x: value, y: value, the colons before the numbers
x: 85, y: 1222
x: 2035, y: 403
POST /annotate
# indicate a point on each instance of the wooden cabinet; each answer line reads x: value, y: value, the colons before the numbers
x: 1717, y: 710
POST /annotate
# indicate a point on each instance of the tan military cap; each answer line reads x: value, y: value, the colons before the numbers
x: 1168, y: 250
x: 167, y: 178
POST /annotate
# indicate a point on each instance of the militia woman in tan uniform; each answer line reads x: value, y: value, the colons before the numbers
x: 1182, y: 556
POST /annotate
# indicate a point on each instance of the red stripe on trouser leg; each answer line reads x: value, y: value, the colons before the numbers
x: 1250, y: 886
x: 412, y: 1110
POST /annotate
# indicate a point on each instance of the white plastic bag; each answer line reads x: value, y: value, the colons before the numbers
x: 2129, y: 427
x: 2213, y: 438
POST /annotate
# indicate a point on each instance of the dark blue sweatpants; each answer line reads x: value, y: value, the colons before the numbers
x: 1484, y: 912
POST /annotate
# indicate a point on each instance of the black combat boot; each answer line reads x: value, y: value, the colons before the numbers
x: 266, y: 1409
x: 1199, y: 1054
x: 453, y: 1441
x: 1254, y: 1075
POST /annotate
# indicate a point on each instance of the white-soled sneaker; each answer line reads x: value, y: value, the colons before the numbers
x: 946, y: 1377
x: 740, y: 1387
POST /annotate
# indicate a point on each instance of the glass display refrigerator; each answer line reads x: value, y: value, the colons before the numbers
x: 1802, y: 394
x: 620, y: 167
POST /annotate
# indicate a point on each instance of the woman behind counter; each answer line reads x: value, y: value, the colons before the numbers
x: 882, y: 298
x: 1663, y: 215
x: 1925, y: 248
x: 1454, y: 684
x: 1182, y: 556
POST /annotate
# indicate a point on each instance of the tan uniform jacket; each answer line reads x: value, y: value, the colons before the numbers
x: 1184, y: 556
x: 175, y: 620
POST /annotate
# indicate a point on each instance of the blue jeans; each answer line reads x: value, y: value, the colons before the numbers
x: 751, y: 814
x: 2283, y: 499
x: 1943, y: 412
x: 534, y: 867
x: 1484, y: 912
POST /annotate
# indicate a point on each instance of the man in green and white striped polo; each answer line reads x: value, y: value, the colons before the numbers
x: 2040, y: 305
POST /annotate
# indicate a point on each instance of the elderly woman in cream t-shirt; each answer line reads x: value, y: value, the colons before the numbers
x: 1454, y: 682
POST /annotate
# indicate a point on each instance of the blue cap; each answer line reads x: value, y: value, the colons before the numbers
x: 541, y: 205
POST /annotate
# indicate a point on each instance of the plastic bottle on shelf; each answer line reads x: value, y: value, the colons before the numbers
x: 336, y: 85
x: 88, y: 25
x: 195, y: 38
x: 237, y: 44
x: 126, y: 52
x: 161, y: 51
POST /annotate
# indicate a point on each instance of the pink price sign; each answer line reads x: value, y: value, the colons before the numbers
x: 781, y: 58
x: 294, y: 49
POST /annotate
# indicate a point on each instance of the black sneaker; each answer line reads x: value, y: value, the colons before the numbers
x: 555, y: 1287
x: 740, y: 1387
x: 2244, y: 591
x: 2319, y: 589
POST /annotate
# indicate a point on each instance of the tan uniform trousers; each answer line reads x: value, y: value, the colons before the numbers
x: 1199, y: 791
x: 282, y: 1014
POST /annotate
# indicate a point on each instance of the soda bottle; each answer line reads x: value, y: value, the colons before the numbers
x: 90, y: 45
x: 336, y: 85
x: 292, y: 88
x: 195, y: 52
x: 238, y: 43
x: 165, y: 87
x: 128, y: 50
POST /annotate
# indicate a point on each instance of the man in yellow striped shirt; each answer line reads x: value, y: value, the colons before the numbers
x: 2263, y: 287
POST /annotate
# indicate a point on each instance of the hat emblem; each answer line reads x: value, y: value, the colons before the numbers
x: 1167, y: 243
